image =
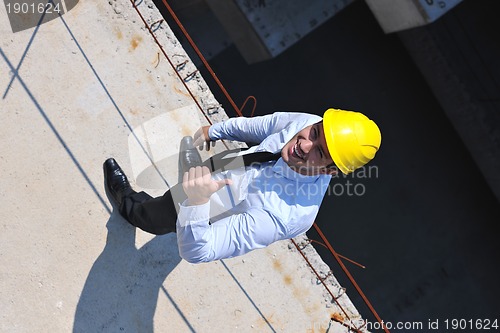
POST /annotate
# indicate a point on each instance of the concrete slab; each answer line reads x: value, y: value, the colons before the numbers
x: 401, y: 15
x: 264, y: 29
x: 76, y: 90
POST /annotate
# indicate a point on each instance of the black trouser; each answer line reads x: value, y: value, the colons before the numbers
x: 154, y: 215
x: 159, y: 215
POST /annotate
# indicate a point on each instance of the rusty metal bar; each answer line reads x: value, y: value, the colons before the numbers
x: 341, y: 256
x: 200, y: 55
x: 245, y: 103
x: 351, y: 278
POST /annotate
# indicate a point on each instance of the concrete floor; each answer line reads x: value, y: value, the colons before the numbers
x: 427, y: 225
x: 79, y: 89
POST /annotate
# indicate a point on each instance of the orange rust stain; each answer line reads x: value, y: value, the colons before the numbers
x: 287, y: 279
x: 136, y: 40
x: 337, y: 317
x: 177, y: 90
x: 174, y: 116
x: 261, y: 323
x: 277, y: 265
x: 118, y: 33
x: 299, y: 294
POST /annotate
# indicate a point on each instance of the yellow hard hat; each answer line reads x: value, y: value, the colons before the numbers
x: 351, y: 137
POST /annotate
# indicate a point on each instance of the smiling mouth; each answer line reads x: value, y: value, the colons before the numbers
x: 296, y: 151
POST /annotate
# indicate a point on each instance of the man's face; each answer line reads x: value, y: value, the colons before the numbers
x: 307, y: 152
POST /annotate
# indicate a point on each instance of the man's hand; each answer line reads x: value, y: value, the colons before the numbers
x: 201, y: 138
x: 199, y: 185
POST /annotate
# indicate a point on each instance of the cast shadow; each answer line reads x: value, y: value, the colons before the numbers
x: 121, y: 290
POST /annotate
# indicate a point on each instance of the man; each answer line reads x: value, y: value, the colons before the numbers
x: 229, y: 213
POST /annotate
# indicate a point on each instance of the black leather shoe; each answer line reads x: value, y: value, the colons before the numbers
x: 116, y: 181
x: 188, y: 155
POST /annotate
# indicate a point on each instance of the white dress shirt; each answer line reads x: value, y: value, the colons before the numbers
x: 264, y: 203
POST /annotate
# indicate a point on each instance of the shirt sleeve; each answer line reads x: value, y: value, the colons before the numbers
x: 244, y: 129
x: 199, y: 241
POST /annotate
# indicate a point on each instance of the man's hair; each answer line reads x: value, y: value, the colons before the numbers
x: 331, y: 165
